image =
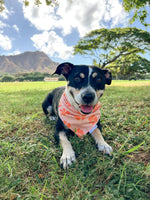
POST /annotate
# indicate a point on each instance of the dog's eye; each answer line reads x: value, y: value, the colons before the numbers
x: 98, y: 80
x: 77, y: 79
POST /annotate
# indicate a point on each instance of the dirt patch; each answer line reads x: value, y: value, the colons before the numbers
x: 142, y: 156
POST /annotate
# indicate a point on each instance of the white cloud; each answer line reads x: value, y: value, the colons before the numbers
x: 42, y: 17
x: 52, y: 44
x: 3, y: 25
x: 81, y: 15
x: 16, y: 27
x: 87, y: 15
x: 16, y: 52
x: 5, y: 42
x: 116, y: 14
x: 84, y: 16
x: 5, y: 13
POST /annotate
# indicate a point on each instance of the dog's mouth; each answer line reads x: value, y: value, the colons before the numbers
x: 86, y: 109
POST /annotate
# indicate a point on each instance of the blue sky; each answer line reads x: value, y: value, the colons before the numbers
x: 56, y: 31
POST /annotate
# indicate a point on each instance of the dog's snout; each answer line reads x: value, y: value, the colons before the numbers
x: 88, y: 97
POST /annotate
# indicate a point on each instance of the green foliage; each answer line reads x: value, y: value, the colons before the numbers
x: 61, y: 78
x: 139, y: 8
x: 129, y: 5
x: 29, y: 157
x: 2, y: 5
x: 33, y: 76
x: 27, y: 3
x: 132, y: 66
x: 38, y: 2
x: 107, y: 46
x: 7, y: 78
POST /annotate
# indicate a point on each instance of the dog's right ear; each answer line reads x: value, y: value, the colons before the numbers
x: 64, y: 69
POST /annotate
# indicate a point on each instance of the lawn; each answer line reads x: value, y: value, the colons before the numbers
x: 29, y: 156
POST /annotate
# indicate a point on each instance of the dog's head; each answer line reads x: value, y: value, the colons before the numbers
x: 85, y: 85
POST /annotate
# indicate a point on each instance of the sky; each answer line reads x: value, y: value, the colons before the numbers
x: 55, y: 30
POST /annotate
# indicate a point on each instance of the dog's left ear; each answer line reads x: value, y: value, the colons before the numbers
x: 108, y: 77
x: 64, y: 69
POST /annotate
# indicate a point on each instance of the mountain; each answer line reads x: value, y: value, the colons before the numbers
x: 27, y: 62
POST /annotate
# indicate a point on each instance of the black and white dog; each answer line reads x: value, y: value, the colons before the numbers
x: 77, y: 107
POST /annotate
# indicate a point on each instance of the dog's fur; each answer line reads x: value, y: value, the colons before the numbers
x: 85, y: 86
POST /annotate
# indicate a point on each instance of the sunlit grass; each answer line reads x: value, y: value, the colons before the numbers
x: 29, y: 157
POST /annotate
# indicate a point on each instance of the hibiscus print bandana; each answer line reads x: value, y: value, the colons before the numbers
x: 79, y: 123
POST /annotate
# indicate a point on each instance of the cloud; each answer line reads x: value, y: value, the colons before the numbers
x: 5, y: 13
x: 16, y: 52
x: 87, y: 15
x: 3, y: 25
x: 115, y: 14
x: 42, y: 17
x: 84, y: 16
x: 16, y: 27
x: 52, y: 44
x: 5, y: 42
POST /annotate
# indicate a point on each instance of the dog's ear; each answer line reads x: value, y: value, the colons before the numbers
x: 108, y: 77
x: 64, y: 69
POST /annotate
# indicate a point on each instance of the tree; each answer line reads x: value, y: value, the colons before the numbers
x: 139, y: 68
x: 7, y: 78
x: 108, y: 45
x: 132, y: 66
x: 2, y: 5
x: 32, y: 76
x: 139, y: 7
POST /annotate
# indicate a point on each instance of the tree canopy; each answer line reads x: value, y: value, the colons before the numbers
x: 139, y: 7
x: 108, y: 45
x: 131, y: 66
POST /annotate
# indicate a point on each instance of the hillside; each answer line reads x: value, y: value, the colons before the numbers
x: 27, y: 62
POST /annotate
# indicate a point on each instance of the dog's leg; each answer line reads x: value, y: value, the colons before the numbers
x: 49, y: 114
x: 47, y: 107
x: 68, y: 156
x: 101, y: 144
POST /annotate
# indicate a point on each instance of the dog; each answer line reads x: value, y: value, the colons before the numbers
x: 77, y: 107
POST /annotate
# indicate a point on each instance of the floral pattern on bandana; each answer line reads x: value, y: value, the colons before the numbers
x: 79, y: 123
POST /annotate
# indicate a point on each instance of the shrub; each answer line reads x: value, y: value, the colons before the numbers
x: 7, y: 78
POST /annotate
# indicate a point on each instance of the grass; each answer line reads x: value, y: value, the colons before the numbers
x: 29, y: 157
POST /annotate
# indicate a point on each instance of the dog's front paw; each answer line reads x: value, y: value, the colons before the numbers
x: 67, y: 159
x: 52, y: 118
x: 105, y: 148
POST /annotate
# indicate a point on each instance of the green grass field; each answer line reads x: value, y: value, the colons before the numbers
x: 29, y: 157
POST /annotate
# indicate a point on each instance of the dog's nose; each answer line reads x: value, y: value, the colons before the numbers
x: 88, y: 97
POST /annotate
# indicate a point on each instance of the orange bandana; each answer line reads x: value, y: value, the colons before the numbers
x: 79, y: 123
